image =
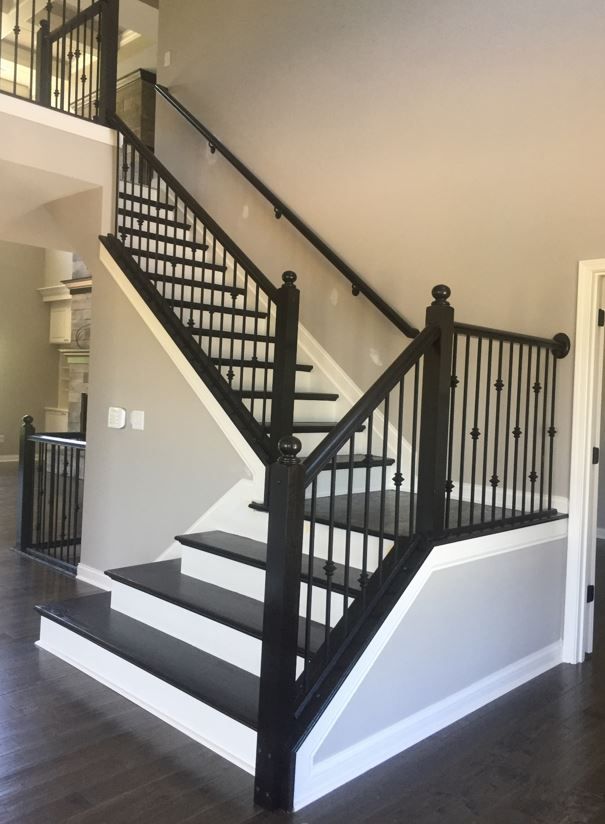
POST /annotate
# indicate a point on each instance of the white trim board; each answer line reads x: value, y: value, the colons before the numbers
x: 220, y: 733
x: 314, y: 779
x: 584, y: 476
x: 93, y: 576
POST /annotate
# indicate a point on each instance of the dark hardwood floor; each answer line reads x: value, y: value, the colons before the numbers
x: 73, y: 751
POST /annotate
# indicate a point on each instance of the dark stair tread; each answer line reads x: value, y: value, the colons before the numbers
x: 195, y: 284
x: 176, y: 260
x: 204, y: 332
x: 146, y: 201
x: 311, y: 426
x: 215, y: 308
x: 168, y: 241
x: 298, y: 396
x: 259, y: 364
x: 251, y: 552
x: 221, y: 685
x: 164, y: 580
x: 145, y: 217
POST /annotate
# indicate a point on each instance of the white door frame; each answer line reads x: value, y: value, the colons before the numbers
x: 584, y: 476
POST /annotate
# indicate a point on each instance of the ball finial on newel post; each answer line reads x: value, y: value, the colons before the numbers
x: 289, y: 447
x: 441, y: 293
x: 289, y: 278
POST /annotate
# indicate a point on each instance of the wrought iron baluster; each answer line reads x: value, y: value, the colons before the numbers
x: 507, y: 427
x: 467, y: 351
x: 488, y: 388
x: 398, y: 476
x: 383, y: 485
x: 536, y: 389
x: 526, y: 426
x: 449, y: 488
x: 499, y: 386
x: 547, y: 357
x: 475, y: 433
x: 517, y: 430
x: 310, y: 578
x: 347, y: 560
x: 330, y: 567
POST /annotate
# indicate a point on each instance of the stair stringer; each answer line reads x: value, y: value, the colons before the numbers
x: 501, y: 627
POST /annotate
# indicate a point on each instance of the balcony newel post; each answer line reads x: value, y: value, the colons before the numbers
x: 436, y: 381
x: 25, y: 494
x: 43, y: 65
x: 109, y: 60
x: 280, y: 628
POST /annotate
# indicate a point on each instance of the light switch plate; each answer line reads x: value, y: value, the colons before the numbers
x: 167, y: 59
x: 137, y: 419
x: 116, y: 417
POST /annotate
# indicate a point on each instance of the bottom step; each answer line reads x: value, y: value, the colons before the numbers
x: 206, y: 698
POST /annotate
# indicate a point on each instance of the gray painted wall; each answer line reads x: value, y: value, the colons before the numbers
x: 29, y: 364
x: 142, y: 488
x: 427, y: 142
x: 492, y: 613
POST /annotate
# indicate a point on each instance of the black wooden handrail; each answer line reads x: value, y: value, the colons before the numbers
x: 559, y: 344
x: 316, y: 461
x: 281, y: 209
x: 191, y: 203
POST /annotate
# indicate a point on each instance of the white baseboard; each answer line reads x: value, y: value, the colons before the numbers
x: 220, y: 733
x: 601, y: 533
x: 9, y: 458
x: 93, y: 576
x: 352, y: 762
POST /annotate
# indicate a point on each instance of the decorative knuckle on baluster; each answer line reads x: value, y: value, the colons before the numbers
x: 28, y: 420
x: 441, y: 293
x: 289, y: 447
x: 563, y: 345
x: 289, y: 278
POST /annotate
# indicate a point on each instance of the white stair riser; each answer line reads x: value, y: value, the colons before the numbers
x: 250, y: 581
x: 232, y: 645
x: 224, y: 735
x: 341, y: 485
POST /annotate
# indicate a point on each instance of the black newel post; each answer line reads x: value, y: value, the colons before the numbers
x: 434, y: 421
x: 284, y: 370
x: 25, y: 494
x: 280, y: 628
x: 43, y: 65
x: 109, y: 60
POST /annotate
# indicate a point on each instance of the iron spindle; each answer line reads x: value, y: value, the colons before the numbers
x: 499, y: 386
x: 450, y: 446
x: 526, y: 429
x: 552, y: 431
x: 488, y: 388
x: 366, y: 505
x: 536, y: 388
x: 383, y: 484
x: 467, y: 350
x: 329, y: 566
x: 517, y: 430
x: 475, y: 434
x: 347, y: 560
x: 547, y: 357
x: 398, y: 476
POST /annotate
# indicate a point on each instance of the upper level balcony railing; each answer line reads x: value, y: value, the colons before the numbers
x: 61, y: 54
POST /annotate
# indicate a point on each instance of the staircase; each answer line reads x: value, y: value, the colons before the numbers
x: 243, y: 643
